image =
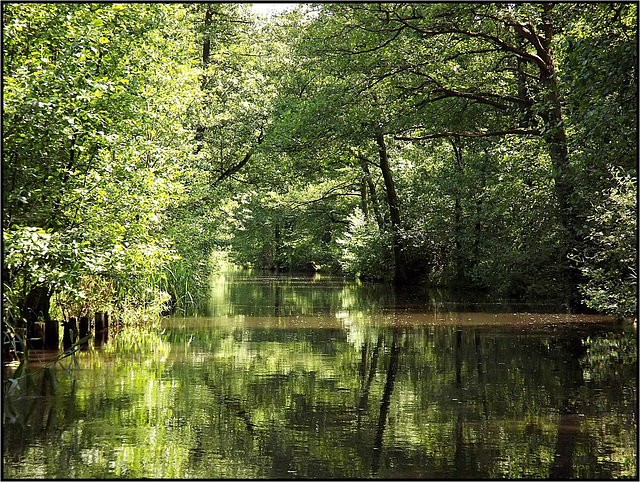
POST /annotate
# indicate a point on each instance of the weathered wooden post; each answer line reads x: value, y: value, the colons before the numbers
x: 84, y: 330
x: 84, y: 326
x: 51, y: 336
x: 70, y: 333
x: 99, y: 328
x: 99, y: 325
x: 106, y: 326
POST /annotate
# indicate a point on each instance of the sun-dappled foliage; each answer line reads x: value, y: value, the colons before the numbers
x: 93, y: 148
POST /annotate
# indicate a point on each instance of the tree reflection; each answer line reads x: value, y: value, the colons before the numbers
x: 392, y: 369
x: 366, y: 383
x: 569, y: 420
x: 362, y: 395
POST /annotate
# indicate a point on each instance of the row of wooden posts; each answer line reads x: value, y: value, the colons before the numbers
x: 73, y: 329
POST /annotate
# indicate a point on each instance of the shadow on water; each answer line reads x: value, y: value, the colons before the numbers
x: 300, y: 377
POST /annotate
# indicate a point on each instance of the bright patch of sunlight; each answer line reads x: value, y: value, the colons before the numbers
x: 271, y: 9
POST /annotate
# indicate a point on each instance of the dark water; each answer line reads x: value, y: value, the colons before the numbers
x: 317, y: 378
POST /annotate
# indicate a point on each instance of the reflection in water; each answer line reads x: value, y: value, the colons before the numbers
x: 314, y: 378
x: 386, y: 401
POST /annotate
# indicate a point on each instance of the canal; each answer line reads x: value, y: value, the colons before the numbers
x: 318, y: 377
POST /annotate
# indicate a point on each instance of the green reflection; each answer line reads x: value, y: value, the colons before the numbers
x: 337, y: 383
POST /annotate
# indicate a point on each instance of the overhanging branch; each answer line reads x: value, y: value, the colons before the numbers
x: 436, y: 135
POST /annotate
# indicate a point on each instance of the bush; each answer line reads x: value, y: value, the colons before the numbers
x: 366, y: 252
x: 610, y: 265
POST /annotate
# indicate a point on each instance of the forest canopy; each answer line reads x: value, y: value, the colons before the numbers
x: 479, y: 146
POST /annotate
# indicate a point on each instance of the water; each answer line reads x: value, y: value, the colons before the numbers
x: 317, y: 378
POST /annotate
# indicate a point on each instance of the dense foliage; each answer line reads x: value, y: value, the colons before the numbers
x: 484, y: 146
x: 93, y: 145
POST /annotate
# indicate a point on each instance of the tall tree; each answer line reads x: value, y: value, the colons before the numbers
x: 464, y: 71
x: 93, y: 143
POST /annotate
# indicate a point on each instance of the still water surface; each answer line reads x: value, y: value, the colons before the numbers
x: 314, y: 377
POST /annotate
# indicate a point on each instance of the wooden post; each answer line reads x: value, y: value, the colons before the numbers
x: 51, y: 336
x: 84, y: 330
x: 84, y: 326
x: 99, y: 326
x: 70, y: 333
x: 106, y: 327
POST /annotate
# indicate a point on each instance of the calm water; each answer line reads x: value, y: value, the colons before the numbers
x: 318, y: 378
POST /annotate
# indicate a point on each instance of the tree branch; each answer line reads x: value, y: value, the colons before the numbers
x: 236, y: 167
x: 436, y: 135
x: 373, y: 49
x: 492, y: 38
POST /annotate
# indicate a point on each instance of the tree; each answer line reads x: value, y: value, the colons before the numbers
x: 423, y: 72
x: 602, y: 99
x: 93, y: 144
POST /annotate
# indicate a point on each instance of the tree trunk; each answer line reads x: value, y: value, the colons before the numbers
x: 557, y: 141
x: 457, y: 216
x: 206, y: 42
x: 475, y: 257
x: 36, y: 304
x: 206, y: 53
x: 35, y: 311
x: 401, y: 275
x: 555, y: 137
x: 373, y: 198
x: 363, y: 197
x: 277, y: 247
